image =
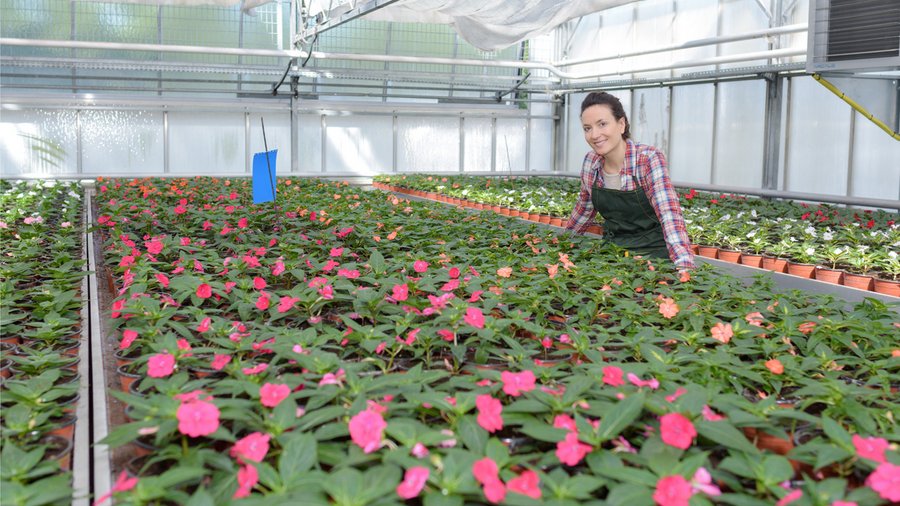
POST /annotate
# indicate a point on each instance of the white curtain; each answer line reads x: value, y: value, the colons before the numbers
x: 246, y: 5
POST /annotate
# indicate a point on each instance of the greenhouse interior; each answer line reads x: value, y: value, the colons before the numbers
x: 450, y: 252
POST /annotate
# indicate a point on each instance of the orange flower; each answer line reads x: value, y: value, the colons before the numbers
x: 552, y: 269
x: 806, y: 327
x: 895, y: 353
x: 392, y: 235
x: 668, y: 308
x: 775, y: 366
x: 504, y: 272
x: 722, y: 332
x: 685, y: 276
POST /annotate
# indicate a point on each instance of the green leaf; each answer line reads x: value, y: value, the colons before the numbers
x: 629, y: 494
x: 50, y: 490
x: 626, y: 412
x: 376, y: 262
x: 297, y: 457
x: 497, y: 451
x: 837, y: 433
x: 776, y: 469
x: 742, y: 500
x: 439, y: 499
x: 725, y: 434
x: 543, y: 432
x: 201, y: 498
x: 472, y: 435
x: 582, y: 486
x: 380, y: 481
x: 345, y: 487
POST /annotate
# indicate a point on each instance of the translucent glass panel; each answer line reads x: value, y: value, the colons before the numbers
x: 876, y: 162
x: 542, y: 148
x: 358, y: 144
x: 309, y: 143
x: 477, y: 133
x: 510, y: 155
x: 206, y: 143
x: 427, y: 144
x: 122, y: 142
x: 653, y: 29
x: 690, y: 150
x: 694, y: 19
x: 650, y: 117
x: 38, y: 142
x: 278, y: 136
x: 818, y: 140
x: 603, y: 34
x: 740, y: 132
x: 741, y: 16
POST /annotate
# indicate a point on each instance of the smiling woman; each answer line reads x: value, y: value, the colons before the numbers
x: 628, y: 184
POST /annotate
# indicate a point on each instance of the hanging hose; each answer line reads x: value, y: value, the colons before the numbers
x: 858, y: 108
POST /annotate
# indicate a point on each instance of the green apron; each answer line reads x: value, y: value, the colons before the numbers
x: 630, y: 221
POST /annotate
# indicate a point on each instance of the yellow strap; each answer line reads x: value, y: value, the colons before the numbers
x: 858, y: 108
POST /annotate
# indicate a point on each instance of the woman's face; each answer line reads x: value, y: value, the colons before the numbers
x: 601, y: 129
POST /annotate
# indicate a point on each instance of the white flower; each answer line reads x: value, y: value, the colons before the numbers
x: 811, y: 231
x: 892, y: 254
x: 751, y: 234
x: 810, y: 251
x: 827, y: 236
x: 753, y: 213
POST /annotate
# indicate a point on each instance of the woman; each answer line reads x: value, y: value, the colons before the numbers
x: 628, y: 184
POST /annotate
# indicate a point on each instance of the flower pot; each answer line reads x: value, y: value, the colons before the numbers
x: 832, y: 276
x: 858, y: 281
x: 595, y: 229
x: 752, y: 260
x: 765, y: 441
x: 728, y: 255
x: 64, y: 427
x: 58, y: 449
x: 774, y: 264
x: 708, y: 251
x: 504, y: 211
x: 5, y: 368
x: 695, y: 249
x: 556, y: 222
x: 544, y: 218
x: 126, y: 378
x: 801, y: 270
x: 887, y: 287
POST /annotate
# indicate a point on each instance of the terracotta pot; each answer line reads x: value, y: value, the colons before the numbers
x: 126, y: 378
x: 544, y: 218
x: 595, y: 229
x: 5, y: 368
x: 534, y: 217
x: 504, y: 211
x: 695, y: 248
x: 59, y: 449
x: 801, y: 270
x: 728, y: 255
x: 765, y: 441
x: 64, y: 427
x: 751, y: 260
x: 887, y: 287
x: 858, y: 281
x: 708, y: 251
x: 832, y: 276
x: 556, y: 222
x: 774, y: 264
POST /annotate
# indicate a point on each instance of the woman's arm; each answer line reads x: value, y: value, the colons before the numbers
x: 583, y: 213
x: 664, y: 199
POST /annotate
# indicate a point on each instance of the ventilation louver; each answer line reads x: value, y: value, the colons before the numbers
x: 853, y: 35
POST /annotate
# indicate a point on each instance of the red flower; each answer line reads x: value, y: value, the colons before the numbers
x: 197, y: 418
x: 262, y: 303
x: 494, y: 491
x: 204, y: 325
x: 612, y: 376
x: 286, y: 303
x: 527, y: 484
x: 489, y: 413
x: 271, y: 394
x: 204, y: 291
x: 516, y: 383
x: 485, y: 471
x: 259, y: 283
x: 474, y: 317
x: 161, y: 365
x: 871, y: 448
x: 220, y: 361
x: 413, y: 482
x: 247, y: 478
x: 791, y: 497
x: 162, y: 279
x: 400, y: 292
x: 673, y: 491
x: 885, y: 480
x: 366, y: 430
x: 420, y: 266
x: 128, y: 337
x: 677, y: 431
x: 570, y: 451
x: 253, y: 447
x: 154, y: 246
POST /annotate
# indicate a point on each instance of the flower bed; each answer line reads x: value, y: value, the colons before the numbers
x: 40, y: 327
x: 350, y: 347
x: 835, y: 238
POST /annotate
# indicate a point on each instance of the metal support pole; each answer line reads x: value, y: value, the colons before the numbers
x: 72, y: 53
x: 79, y: 146
x: 851, y: 143
x: 772, y: 133
x: 395, y: 135
x: 715, y: 127
x: 527, y: 144
x: 324, y: 125
x: 166, y: 150
x: 493, y: 143
x: 159, y: 40
x: 295, y: 136
x: 462, y: 143
x: 787, y: 138
x: 247, y: 147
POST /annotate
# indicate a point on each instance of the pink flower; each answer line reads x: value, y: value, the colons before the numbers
x: 474, y: 317
x: 419, y: 451
x: 128, y: 337
x: 401, y: 292
x: 247, y: 478
x: 516, y: 383
x: 366, y: 430
x: 154, y: 246
x: 570, y: 451
x: 677, y: 431
x: 806, y: 327
x: 252, y: 447
x: 504, y: 272
x: 420, y: 266
x: 844, y: 503
x: 722, y: 332
x: 755, y: 319
x: 489, y: 413
x: 326, y: 292
x: 161, y: 365
x: 668, y: 308
x: 252, y: 371
x: 204, y: 325
x: 184, y: 346
x: 123, y: 484
x: 220, y: 361
x: 278, y: 268
x: 451, y: 285
x: 413, y: 482
x: 197, y: 418
x: 871, y: 448
x: 612, y: 376
x: 333, y: 378
x: 564, y: 422
x: 286, y: 303
x: 204, y: 291
x: 162, y: 279
x: 673, y: 491
x: 791, y: 497
x: 653, y: 383
x: 711, y: 416
x: 259, y: 283
x: 485, y: 471
x: 494, y: 491
x: 527, y: 484
x: 271, y: 394
x: 775, y: 366
x: 262, y: 303
x: 885, y: 480
x: 678, y: 393
x: 702, y: 482
x: 453, y: 272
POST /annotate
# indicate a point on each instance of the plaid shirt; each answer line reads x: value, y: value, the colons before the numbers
x: 645, y: 167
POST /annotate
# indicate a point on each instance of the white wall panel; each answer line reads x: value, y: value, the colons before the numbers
x: 650, y: 117
x: 818, y: 140
x: 694, y: 19
x: 206, y: 142
x: 690, y: 151
x: 741, y: 16
x: 510, y: 153
x: 25, y: 135
x: 427, y: 144
x: 477, y: 133
x: 876, y: 162
x: 309, y: 143
x: 278, y: 136
x: 122, y: 142
x: 359, y: 144
x: 740, y: 120
x: 541, y: 149
x: 653, y: 29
